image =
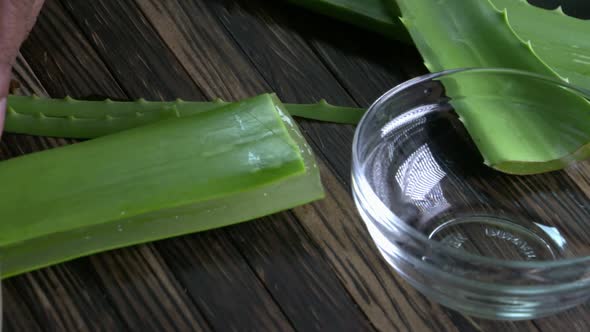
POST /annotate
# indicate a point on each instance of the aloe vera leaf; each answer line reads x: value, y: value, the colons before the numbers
x: 523, y: 140
x: 560, y: 40
x: 372, y: 15
x: 89, y: 119
x: 160, y: 180
x: 323, y: 111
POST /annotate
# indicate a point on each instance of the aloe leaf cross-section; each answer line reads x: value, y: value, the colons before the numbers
x: 164, y: 179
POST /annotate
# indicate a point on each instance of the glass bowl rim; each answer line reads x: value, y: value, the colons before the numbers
x: 358, y: 177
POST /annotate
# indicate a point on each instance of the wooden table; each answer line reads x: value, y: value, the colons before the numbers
x: 311, y: 268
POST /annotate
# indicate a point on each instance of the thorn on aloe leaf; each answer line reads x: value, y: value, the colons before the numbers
x: 559, y: 10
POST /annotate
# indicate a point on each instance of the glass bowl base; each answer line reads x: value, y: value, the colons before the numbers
x: 500, y: 238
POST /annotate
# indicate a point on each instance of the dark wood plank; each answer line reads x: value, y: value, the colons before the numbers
x: 132, y: 51
x: 62, y: 298
x: 140, y: 285
x: 366, y: 65
x: 222, y: 284
x: 16, y: 314
x: 575, y: 320
x: 297, y: 276
x: 465, y: 323
x: 28, y: 82
x: 281, y: 56
x: 63, y: 60
x: 203, y: 47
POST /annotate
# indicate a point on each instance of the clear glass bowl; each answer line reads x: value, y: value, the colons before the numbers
x: 472, y: 238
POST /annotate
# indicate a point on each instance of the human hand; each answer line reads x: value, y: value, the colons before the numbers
x: 17, y: 18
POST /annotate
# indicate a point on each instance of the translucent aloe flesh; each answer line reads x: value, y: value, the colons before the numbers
x: 89, y: 119
x: 526, y: 139
x: 160, y: 180
x: 373, y: 15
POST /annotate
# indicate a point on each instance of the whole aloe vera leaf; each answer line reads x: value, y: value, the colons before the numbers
x: 373, y: 15
x: 560, y: 40
x: 89, y: 119
x: 164, y: 179
x: 521, y: 140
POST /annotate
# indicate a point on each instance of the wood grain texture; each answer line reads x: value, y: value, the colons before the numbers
x: 222, y: 284
x: 295, y: 273
x: 311, y: 268
x: 139, y: 285
x: 62, y: 58
x: 131, y: 50
x: 201, y: 45
x: 61, y: 298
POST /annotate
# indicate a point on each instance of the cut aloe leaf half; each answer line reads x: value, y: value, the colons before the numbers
x: 161, y: 180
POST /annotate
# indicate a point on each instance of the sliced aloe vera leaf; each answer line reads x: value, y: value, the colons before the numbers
x: 372, y: 15
x: 164, y: 179
x: 520, y: 138
x: 560, y: 40
x: 89, y: 119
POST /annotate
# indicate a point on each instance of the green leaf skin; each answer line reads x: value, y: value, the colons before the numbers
x: 546, y: 130
x: 373, y: 15
x: 89, y: 119
x: 322, y: 111
x: 160, y: 180
x: 560, y: 40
